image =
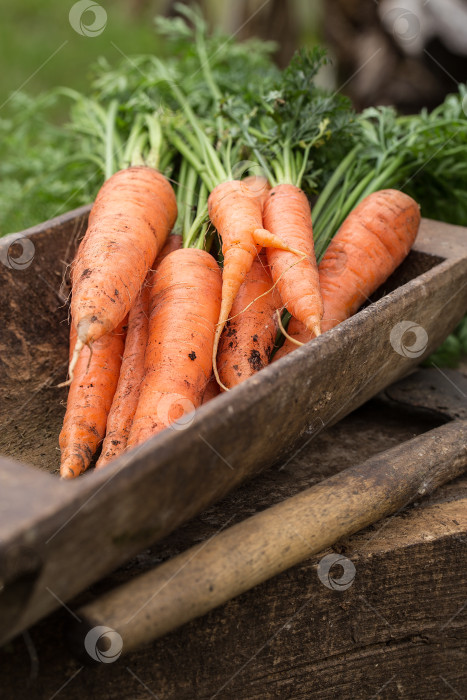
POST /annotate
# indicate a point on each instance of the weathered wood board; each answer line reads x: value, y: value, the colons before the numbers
x: 67, y: 535
x: 398, y: 631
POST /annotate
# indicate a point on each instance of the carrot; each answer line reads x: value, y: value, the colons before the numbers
x: 131, y: 218
x: 287, y: 213
x: 233, y: 209
x: 248, y: 338
x: 237, y: 216
x: 131, y: 373
x: 89, y: 400
x: 126, y: 395
x: 184, y: 308
x: 373, y: 240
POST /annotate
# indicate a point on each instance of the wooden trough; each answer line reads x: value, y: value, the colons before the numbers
x: 64, y: 536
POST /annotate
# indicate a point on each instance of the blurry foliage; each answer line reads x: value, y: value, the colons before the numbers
x: 34, y: 173
x: 32, y: 30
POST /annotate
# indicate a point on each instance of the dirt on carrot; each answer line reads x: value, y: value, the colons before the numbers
x: 249, y: 335
x: 89, y: 400
x: 126, y: 396
x: 237, y: 215
x: 131, y: 218
x: 184, y: 308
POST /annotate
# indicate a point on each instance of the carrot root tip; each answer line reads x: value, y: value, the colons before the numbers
x: 83, y: 329
x: 284, y: 332
x: 314, y: 326
x: 265, y: 238
x: 219, y: 329
x: 71, y: 369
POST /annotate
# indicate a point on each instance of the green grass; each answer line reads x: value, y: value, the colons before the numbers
x: 31, y: 31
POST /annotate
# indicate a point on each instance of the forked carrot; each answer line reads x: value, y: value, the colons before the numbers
x: 237, y: 216
x: 184, y: 308
x: 131, y: 373
x: 248, y: 337
x: 131, y: 218
x: 89, y: 400
x: 373, y: 240
x: 287, y: 214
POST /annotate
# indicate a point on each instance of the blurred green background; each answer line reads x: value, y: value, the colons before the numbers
x: 39, y: 49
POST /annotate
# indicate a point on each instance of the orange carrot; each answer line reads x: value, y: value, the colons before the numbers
x: 127, y: 393
x: 184, y: 307
x: 287, y: 214
x: 373, y: 240
x: 131, y: 373
x: 89, y: 400
x: 237, y: 215
x: 248, y: 337
x: 131, y: 218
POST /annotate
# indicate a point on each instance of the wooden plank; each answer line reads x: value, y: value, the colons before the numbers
x: 33, y: 338
x: 399, y: 625
x: 178, y: 473
x: 249, y: 553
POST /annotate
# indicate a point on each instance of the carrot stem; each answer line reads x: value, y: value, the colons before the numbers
x: 331, y: 184
x: 110, y: 137
x: 134, y: 143
x: 302, y: 169
x: 155, y: 140
x: 206, y: 69
x: 190, y: 187
x: 197, y: 229
x: 187, y: 153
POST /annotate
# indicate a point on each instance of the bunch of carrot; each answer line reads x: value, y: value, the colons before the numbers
x: 148, y: 330
x: 159, y: 324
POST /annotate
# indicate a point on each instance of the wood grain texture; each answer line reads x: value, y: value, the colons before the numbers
x: 34, y: 335
x: 276, y: 539
x: 399, y: 629
x: 178, y: 473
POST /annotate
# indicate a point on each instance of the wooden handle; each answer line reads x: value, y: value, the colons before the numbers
x: 266, y: 544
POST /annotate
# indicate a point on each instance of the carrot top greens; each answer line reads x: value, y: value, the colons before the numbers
x: 214, y: 108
